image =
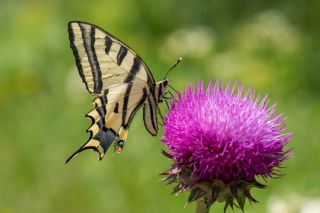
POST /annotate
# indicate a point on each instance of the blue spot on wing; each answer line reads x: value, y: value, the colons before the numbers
x: 105, y: 137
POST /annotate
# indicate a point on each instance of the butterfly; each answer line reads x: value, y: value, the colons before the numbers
x: 120, y: 82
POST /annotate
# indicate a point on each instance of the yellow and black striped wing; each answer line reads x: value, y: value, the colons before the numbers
x: 112, y: 116
x: 103, y: 61
x: 119, y: 79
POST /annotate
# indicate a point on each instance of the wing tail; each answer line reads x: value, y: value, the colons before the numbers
x: 91, y: 144
x: 100, y: 138
x: 106, y: 127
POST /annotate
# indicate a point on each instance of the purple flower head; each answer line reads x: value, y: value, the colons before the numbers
x: 223, y: 134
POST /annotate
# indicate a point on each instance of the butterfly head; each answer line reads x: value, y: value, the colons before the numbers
x: 161, y: 89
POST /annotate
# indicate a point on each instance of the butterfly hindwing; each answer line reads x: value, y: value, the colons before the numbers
x: 112, y: 117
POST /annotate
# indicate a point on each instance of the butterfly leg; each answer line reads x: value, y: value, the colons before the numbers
x: 171, y: 94
x: 168, y: 106
x: 173, y: 88
x: 161, y: 116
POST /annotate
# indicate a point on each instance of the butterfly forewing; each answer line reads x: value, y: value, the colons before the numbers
x: 103, y: 60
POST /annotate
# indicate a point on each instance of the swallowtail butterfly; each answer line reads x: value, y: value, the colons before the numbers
x: 120, y: 82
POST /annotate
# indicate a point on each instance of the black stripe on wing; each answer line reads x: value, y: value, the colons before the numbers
x: 121, y: 54
x: 88, y: 36
x: 108, y: 44
x: 76, y: 53
x: 134, y: 70
x: 125, y: 104
x: 137, y: 107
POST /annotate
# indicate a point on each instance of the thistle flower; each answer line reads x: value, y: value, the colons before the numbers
x: 220, y: 140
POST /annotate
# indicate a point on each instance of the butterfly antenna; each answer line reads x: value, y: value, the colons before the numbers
x: 175, y: 64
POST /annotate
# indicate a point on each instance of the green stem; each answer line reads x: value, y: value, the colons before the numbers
x: 201, y: 206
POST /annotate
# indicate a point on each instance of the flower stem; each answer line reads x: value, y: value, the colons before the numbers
x: 201, y: 206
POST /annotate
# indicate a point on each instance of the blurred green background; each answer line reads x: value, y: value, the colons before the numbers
x: 272, y: 46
